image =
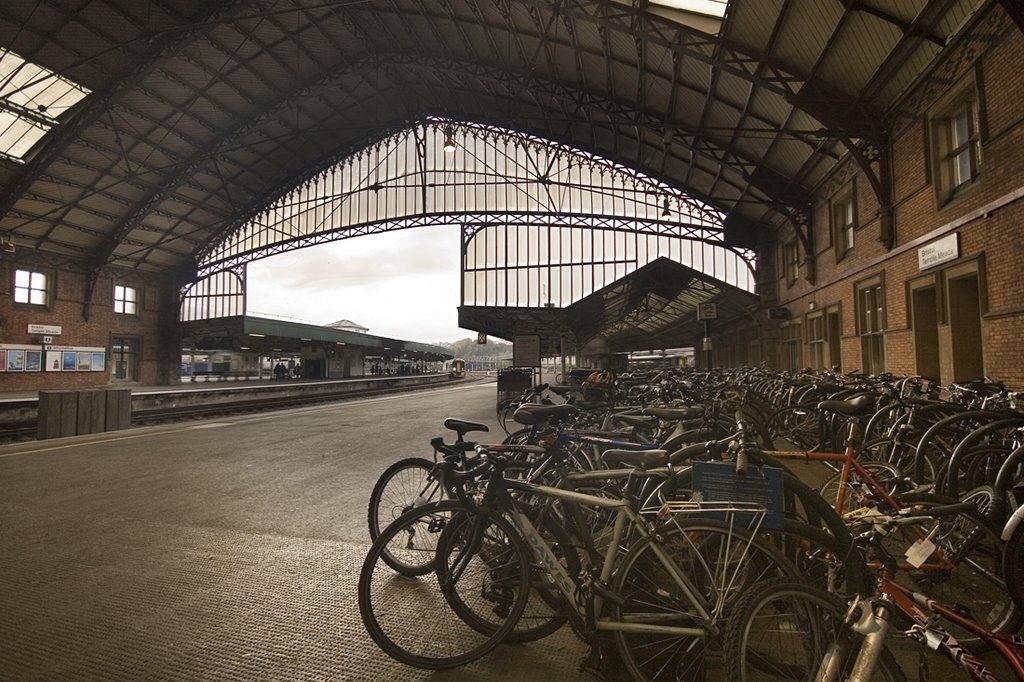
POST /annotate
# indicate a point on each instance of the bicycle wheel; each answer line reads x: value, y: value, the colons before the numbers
x: 965, y: 569
x: 1013, y: 565
x: 718, y: 561
x: 799, y: 425
x: 403, y: 485
x: 819, y: 558
x: 782, y: 629
x: 546, y: 610
x: 858, y: 494
x: 410, y: 617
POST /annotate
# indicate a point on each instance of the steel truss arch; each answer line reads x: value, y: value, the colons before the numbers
x: 471, y: 223
x: 491, y: 170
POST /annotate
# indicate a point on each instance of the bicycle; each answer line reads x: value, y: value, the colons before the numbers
x: 1013, y: 556
x: 410, y: 482
x: 785, y: 632
x: 663, y: 601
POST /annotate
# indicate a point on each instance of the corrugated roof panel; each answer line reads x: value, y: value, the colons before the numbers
x: 731, y: 90
x: 622, y: 48
x: 787, y: 156
x: 769, y: 107
x: 806, y: 30
x: 750, y: 22
x: 858, y: 50
x: 953, y: 19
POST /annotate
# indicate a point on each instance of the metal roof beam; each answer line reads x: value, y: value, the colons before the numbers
x: 95, y: 105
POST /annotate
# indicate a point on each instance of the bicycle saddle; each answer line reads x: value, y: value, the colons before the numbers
x: 534, y: 415
x: 463, y: 427
x: 860, y: 406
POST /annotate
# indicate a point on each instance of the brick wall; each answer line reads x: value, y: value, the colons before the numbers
x: 92, y: 326
x: 988, y: 60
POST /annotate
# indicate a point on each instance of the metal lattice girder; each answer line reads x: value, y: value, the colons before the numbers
x: 496, y: 175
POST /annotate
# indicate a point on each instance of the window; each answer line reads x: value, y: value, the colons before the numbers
x: 955, y: 142
x: 123, y: 359
x: 844, y: 222
x: 871, y: 325
x: 963, y: 134
x: 791, y: 261
x: 816, y: 341
x: 125, y: 300
x: 791, y: 343
x: 30, y: 287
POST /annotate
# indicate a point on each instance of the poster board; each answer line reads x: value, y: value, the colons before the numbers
x: 20, y: 358
x: 75, y: 359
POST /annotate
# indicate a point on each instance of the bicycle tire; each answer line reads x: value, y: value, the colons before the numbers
x: 403, y: 485
x: 1013, y: 565
x: 398, y: 610
x: 782, y: 629
x: 799, y: 425
x: 546, y: 610
x: 719, y: 559
x: 802, y: 503
x: 817, y: 556
x: 972, y: 546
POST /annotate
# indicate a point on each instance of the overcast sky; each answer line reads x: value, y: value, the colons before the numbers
x: 402, y: 284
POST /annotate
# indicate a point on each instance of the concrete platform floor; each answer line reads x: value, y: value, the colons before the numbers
x: 224, y: 550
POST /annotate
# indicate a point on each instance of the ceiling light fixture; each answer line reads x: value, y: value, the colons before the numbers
x: 449, y: 139
x: 665, y: 210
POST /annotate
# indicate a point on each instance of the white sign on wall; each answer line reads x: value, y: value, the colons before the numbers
x: 939, y: 251
x: 47, y: 329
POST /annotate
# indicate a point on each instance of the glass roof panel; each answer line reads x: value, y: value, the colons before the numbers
x: 31, y: 100
x: 714, y: 8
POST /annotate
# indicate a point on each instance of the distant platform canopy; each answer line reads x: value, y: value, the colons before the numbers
x: 270, y: 337
x: 654, y: 307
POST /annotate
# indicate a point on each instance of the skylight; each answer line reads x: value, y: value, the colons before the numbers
x: 31, y: 100
x: 712, y: 8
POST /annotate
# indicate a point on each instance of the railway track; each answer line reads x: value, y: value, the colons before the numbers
x: 18, y: 430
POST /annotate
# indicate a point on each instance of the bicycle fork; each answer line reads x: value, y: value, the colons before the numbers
x: 867, y: 617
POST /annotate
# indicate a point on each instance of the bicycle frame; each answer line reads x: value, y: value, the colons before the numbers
x: 847, y: 460
x: 922, y: 611
x: 626, y: 517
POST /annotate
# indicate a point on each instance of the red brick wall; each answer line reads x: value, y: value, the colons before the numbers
x: 990, y: 57
x: 67, y: 310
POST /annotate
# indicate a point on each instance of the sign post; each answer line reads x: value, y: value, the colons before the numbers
x: 707, y: 312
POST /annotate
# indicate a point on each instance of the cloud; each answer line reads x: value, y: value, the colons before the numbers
x: 403, y: 284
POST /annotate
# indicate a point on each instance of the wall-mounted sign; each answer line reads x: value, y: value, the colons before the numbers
x: 938, y: 252
x: 48, y: 329
x: 75, y: 359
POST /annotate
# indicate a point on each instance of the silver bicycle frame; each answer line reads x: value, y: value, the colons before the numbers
x: 625, y: 515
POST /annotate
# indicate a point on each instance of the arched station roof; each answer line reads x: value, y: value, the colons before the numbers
x: 197, y: 114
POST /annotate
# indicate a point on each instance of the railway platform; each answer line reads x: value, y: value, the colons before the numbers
x: 226, y: 549
x: 221, y: 550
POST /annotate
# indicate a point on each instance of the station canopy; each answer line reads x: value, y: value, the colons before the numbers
x: 144, y: 135
x: 653, y: 308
